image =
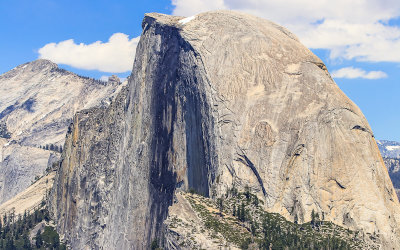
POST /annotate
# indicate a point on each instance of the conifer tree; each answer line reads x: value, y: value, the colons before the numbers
x: 39, y: 241
x: 313, y: 217
x: 242, y: 213
x: 220, y: 203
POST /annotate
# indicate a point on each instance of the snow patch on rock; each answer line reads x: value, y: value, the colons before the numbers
x: 186, y: 20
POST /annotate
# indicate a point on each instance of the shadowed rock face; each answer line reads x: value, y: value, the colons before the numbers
x: 219, y: 100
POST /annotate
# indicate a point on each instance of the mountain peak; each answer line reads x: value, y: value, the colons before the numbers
x: 39, y: 65
x: 228, y: 101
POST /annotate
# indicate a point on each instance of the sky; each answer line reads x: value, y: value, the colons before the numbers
x: 359, y: 41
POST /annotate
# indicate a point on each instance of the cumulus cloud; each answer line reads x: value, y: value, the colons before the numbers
x: 357, y: 30
x: 191, y: 7
x: 351, y: 73
x: 115, y: 56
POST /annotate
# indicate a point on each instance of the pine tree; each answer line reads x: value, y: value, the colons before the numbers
x: 255, y: 201
x: 247, y: 193
x: 242, y: 213
x: 10, y: 242
x: 5, y: 219
x: 313, y: 217
x: 253, y: 228
x: 220, y: 203
x: 39, y: 241
x: 27, y: 243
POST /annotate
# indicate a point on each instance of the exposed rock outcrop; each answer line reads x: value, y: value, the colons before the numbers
x: 21, y: 166
x: 390, y: 151
x: 393, y: 167
x: 114, y: 80
x: 218, y: 100
x: 37, y: 104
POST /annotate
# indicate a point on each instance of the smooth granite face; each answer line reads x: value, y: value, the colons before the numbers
x: 218, y: 100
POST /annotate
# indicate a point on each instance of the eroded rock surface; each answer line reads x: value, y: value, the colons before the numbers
x: 393, y: 167
x: 29, y: 199
x: 218, y: 100
x: 37, y: 103
x: 390, y: 151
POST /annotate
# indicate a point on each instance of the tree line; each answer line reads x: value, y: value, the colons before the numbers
x: 15, y: 230
x: 272, y: 231
x: 52, y: 147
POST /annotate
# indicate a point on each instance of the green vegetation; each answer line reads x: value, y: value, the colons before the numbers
x: 52, y: 147
x: 154, y: 245
x: 15, y: 230
x: 4, y: 132
x: 238, y: 218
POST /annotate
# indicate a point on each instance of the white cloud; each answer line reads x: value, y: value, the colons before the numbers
x: 351, y: 73
x: 349, y: 29
x: 191, y: 7
x: 115, y: 56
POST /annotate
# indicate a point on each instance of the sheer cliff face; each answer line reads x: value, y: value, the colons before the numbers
x: 218, y: 100
x: 37, y: 103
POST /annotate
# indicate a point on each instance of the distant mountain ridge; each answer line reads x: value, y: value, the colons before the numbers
x: 37, y: 103
x: 39, y: 100
x: 389, y: 149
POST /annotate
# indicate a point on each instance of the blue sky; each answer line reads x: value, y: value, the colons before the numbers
x: 358, y: 41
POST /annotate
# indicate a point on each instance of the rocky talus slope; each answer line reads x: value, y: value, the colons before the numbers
x: 37, y: 103
x: 215, y: 101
